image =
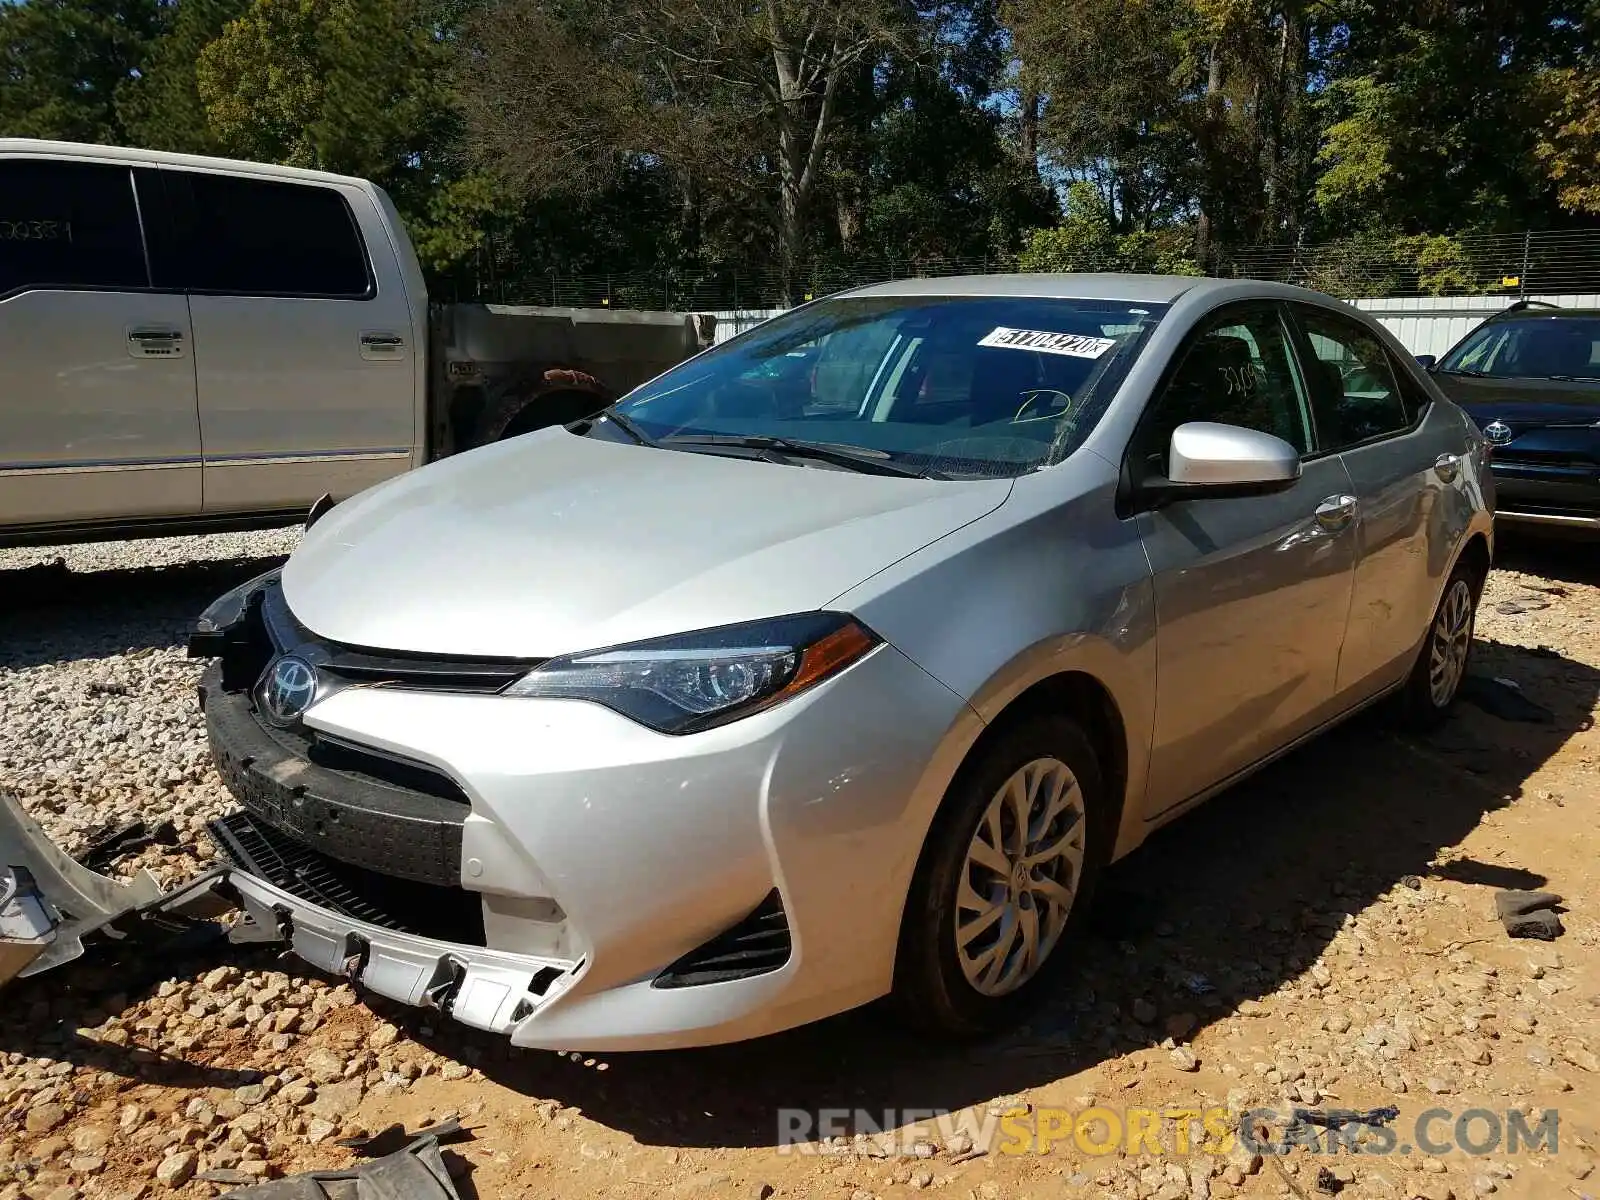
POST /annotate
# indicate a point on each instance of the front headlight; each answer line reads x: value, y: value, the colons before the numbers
x: 694, y: 681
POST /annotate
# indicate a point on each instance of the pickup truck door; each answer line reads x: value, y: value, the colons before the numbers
x: 97, y: 409
x: 304, y: 353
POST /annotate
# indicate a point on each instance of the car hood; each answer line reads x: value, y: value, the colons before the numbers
x: 1523, y: 403
x: 552, y: 543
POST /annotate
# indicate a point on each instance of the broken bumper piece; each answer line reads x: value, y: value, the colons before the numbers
x: 49, y: 902
x: 487, y: 989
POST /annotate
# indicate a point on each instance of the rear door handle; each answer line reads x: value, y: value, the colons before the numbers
x: 155, y: 341
x: 1336, y: 512
x: 1447, y: 467
x: 381, y: 344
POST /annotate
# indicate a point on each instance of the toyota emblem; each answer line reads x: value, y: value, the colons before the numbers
x: 1498, y: 433
x: 288, y: 690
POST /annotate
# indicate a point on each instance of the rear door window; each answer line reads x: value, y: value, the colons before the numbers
x: 261, y: 237
x: 68, y: 225
x: 1358, y: 397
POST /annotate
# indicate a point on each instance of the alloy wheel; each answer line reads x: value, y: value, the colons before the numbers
x: 1020, y: 877
x: 1450, y: 643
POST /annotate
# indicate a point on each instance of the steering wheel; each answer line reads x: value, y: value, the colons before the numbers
x: 1033, y: 397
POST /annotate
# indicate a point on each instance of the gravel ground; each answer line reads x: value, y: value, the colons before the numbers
x: 98, y: 720
x: 1322, y: 935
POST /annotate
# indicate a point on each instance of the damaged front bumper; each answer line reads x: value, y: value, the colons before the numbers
x: 49, y: 903
x: 487, y: 989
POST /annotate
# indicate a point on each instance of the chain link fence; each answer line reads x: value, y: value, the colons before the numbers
x: 1533, y: 263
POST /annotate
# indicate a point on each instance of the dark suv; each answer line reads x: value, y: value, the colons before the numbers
x: 1530, y: 378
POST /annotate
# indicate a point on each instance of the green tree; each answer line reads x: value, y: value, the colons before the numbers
x: 160, y: 108
x: 360, y: 87
x: 1086, y: 240
x: 62, y: 62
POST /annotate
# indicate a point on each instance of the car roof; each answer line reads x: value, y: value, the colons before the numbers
x: 40, y: 148
x: 1138, y: 289
x: 1545, y: 314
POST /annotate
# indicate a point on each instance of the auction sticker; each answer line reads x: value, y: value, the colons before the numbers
x: 1073, y: 345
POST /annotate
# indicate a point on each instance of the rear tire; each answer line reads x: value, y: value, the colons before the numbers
x: 1435, y: 681
x: 1005, y: 880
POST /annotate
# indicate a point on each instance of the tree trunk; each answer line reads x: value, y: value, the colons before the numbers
x: 1206, y: 227
x: 803, y: 130
x: 1030, y: 131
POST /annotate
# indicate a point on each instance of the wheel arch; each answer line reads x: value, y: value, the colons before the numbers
x: 553, y: 396
x: 1087, y: 700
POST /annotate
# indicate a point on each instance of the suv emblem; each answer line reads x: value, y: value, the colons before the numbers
x: 1498, y: 433
x: 288, y: 690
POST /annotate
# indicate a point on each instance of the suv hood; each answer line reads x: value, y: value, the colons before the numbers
x: 1524, y: 401
x: 553, y: 543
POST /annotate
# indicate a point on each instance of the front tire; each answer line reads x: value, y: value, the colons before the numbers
x: 1005, y: 879
x: 1435, y: 680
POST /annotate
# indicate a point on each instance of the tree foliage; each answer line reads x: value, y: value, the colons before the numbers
x: 527, y: 140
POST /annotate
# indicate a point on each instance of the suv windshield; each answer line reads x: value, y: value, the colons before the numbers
x: 1534, y: 348
x: 948, y: 386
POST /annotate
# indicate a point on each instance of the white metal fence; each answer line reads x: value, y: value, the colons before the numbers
x: 1424, y: 325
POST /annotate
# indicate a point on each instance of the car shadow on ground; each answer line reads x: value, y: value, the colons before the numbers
x: 49, y: 613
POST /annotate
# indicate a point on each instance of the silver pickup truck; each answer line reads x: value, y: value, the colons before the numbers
x: 194, y: 343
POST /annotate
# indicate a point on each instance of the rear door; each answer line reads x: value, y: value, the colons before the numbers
x: 304, y: 362
x: 1393, y: 452
x: 97, y: 408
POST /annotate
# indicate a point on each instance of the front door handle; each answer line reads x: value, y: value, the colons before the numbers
x: 1336, y: 513
x: 1447, y: 467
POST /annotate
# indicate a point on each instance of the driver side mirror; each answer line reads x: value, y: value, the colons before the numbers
x: 1206, y: 460
x: 1427, y: 361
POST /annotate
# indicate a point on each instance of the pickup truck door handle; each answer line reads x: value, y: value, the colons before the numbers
x: 381, y: 344
x: 1336, y: 512
x: 1447, y: 467
x: 155, y: 341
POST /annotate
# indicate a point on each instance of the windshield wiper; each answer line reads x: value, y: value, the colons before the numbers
x: 868, y: 462
x: 1465, y: 371
x: 1574, y: 378
x: 628, y: 426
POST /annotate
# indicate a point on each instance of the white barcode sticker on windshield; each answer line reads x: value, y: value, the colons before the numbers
x: 1073, y: 345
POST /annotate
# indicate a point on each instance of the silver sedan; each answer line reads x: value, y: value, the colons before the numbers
x: 839, y: 661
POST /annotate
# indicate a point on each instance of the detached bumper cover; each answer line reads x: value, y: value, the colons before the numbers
x: 487, y: 989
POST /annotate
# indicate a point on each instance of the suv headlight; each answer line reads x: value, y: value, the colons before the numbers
x: 694, y: 681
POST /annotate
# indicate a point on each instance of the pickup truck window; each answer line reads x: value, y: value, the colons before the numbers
x: 68, y: 225
x: 262, y: 237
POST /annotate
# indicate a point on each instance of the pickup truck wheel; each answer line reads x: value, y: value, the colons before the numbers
x: 521, y: 413
x: 1005, y: 880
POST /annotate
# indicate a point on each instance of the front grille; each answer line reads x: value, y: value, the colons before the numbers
x: 353, y: 664
x: 1563, y: 460
x: 757, y: 945
x: 449, y: 914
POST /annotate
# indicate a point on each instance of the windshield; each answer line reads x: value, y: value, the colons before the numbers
x: 953, y: 386
x: 1539, y: 348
